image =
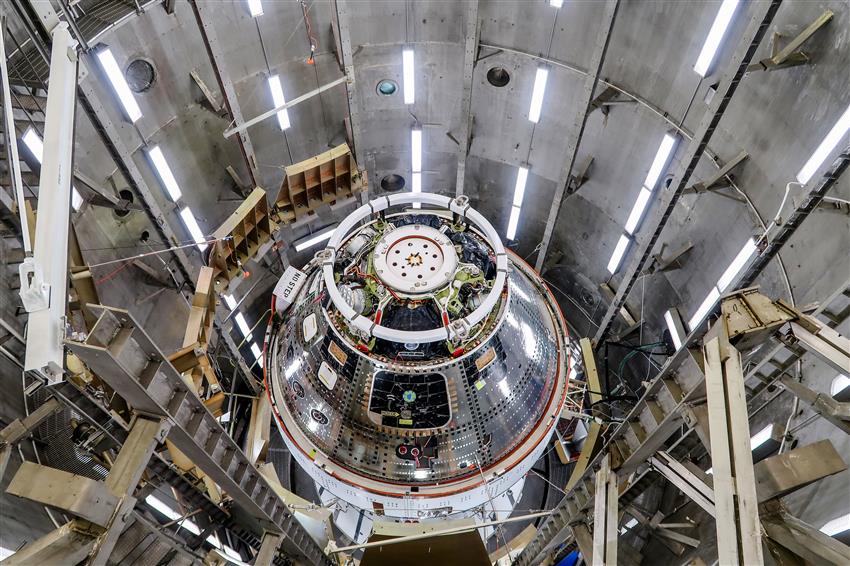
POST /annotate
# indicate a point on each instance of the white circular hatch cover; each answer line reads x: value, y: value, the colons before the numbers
x: 415, y: 259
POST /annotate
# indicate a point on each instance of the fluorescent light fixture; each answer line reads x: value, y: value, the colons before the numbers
x: 619, y: 252
x: 313, y: 240
x: 761, y: 437
x: 637, y: 210
x: 407, y: 73
x: 660, y: 161
x: 839, y: 384
x: 512, y: 222
x: 36, y: 146
x: 34, y: 143
x: 673, y: 327
x: 556, y: 3
x: 704, y: 308
x: 628, y: 526
x: 229, y: 301
x: 166, y: 177
x: 519, y: 188
x: 171, y: 514
x: 838, y: 131
x: 193, y: 228
x: 836, y: 526
x: 279, y: 100
x: 416, y: 187
x: 256, y: 351
x: 416, y: 150
x: 244, y: 328
x: 715, y: 36
x: 5, y: 552
x: 255, y: 7
x: 119, y: 84
x: 740, y: 261
x: 537, y: 94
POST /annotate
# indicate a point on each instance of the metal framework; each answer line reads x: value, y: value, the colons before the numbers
x: 585, y: 106
x: 641, y: 443
x: 44, y: 277
x: 763, y: 14
x: 470, y: 53
x: 121, y: 354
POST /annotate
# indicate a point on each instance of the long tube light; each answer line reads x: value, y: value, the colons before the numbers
x: 255, y: 7
x: 35, y: 145
x: 835, y: 135
x: 408, y: 75
x: 277, y: 97
x: 519, y: 188
x: 243, y: 325
x: 674, y: 325
x: 187, y: 524
x: 704, y: 308
x: 738, y: 263
x: 416, y: 187
x: 715, y: 36
x: 556, y: 3
x: 119, y: 84
x: 637, y: 210
x: 230, y: 301
x: 513, y: 222
x: 836, y: 526
x: 166, y: 177
x: 741, y: 260
x: 659, y: 163
x: 313, y: 240
x: 416, y: 150
x: 537, y: 94
x: 619, y: 252
x: 194, y: 229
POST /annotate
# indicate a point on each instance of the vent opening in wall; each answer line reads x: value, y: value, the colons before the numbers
x: 498, y: 76
x: 392, y: 182
x: 122, y: 207
x: 140, y: 75
x: 387, y: 87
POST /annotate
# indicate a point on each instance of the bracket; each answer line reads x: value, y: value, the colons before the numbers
x: 790, y: 56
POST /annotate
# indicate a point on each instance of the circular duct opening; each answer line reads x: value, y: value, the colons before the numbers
x: 498, y: 76
x: 140, y: 75
x: 387, y: 87
x: 392, y: 183
x: 127, y: 199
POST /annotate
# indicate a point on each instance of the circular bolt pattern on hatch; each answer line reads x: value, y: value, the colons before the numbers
x: 415, y: 259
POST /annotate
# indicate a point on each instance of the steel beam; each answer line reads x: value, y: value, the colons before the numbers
x: 69, y: 544
x: 735, y: 502
x: 687, y: 482
x: 44, y: 277
x: 228, y: 92
x: 11, y: 141
x: 268, y: 549
x: 804, y: 540
x: 763, y: 13
x: 605, y: 515
x: 585, y: 106
x: 120, y: 353
x: 344, y: 29
x: 470, y: 53
x: 811, y: 197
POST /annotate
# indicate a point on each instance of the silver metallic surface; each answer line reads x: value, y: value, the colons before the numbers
x: 419, y: 413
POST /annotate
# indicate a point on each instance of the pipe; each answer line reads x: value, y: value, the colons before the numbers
x: 244, y: 126
x: 12, y: 147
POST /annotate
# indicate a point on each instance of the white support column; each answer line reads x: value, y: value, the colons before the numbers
x: 605, y: 516
x: 44, y: 277
x: 736, y: 504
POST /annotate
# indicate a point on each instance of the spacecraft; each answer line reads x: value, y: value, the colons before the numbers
x: 416, y: 368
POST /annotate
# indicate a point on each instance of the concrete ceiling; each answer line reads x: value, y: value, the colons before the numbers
x: 777, y: 117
